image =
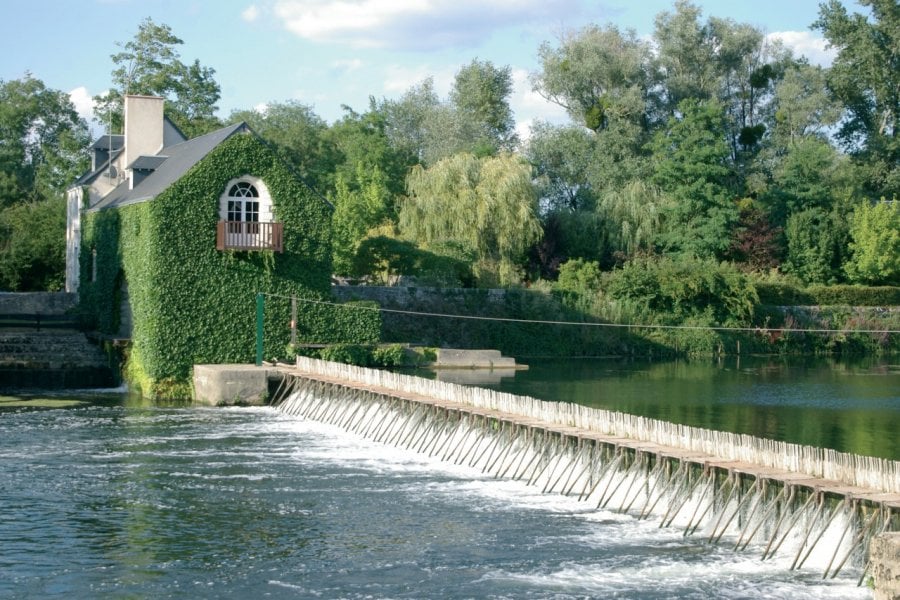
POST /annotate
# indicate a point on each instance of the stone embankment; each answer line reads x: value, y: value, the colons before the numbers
x: 40, y: 350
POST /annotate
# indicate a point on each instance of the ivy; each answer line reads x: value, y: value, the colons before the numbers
x: 192, y: 304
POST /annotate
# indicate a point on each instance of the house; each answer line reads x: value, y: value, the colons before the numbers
x: 170, y: 240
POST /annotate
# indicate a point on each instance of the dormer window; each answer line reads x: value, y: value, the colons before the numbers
x: 246, y: 219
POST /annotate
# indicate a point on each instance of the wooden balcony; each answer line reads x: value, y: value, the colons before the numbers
x: 248, y: 235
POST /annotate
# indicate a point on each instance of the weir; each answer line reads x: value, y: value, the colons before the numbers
x: 799, y: 506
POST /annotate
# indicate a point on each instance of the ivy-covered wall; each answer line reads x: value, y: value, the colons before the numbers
x: 193, y: 304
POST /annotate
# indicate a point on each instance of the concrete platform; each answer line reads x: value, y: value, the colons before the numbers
x: 224, y: 385
x: 449, y: 358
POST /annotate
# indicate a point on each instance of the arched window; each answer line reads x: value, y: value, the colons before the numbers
x: 246, y: 220
x: 243, y: 208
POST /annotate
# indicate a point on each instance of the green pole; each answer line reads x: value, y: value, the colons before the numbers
x: 260, y: 321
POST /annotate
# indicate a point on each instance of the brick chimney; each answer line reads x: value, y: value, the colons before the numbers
x: 143, y: 127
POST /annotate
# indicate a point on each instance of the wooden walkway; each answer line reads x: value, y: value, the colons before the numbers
x: 890, y: 501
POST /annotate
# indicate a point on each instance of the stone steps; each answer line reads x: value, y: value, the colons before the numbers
x: 49, y: 349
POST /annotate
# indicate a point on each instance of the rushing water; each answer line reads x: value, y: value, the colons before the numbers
x: 114, y: 501
x: 850, y: 406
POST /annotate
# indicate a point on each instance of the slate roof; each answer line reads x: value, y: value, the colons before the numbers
x: 105, y: 142
x: 148, y: 163
x: 176, y: 161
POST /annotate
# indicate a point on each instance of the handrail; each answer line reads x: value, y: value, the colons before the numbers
x: 249, y: 235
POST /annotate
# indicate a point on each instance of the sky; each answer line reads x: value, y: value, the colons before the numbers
x: 331, y: 53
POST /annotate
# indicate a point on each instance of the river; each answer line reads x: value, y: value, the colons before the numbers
x: 109, y: 498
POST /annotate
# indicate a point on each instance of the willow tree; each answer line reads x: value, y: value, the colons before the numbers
x: 486, y: 205
x: 632, y: 216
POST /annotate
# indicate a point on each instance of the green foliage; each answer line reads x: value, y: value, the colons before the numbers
x: 631, y: 216
x: 807, y: 176
x: 692, y: 169
x: 815, y: 239
x: 149, y: 64
x: 299, y: 136
x: 854, y: 295
x: 875, y: 243
x: 512, y: 338
x: 579, y: 276
x: 362, y: 141
x: 480, y: 96
x: 385, y: 259
x: 488, y: 205
x: 392, y: 355
x: 351, y: 354
x: 358, y: 210
x: 476, y: 119
x: 675, y: 290
x: 33, y: 246
x: 787, y: 294
x: 783, y: 294
x: 192, y: 304
x: 866, y: 80
x: 598, y: 74
x: 43, y: 141
x: 562, y: 157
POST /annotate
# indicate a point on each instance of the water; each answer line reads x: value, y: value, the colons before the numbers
x: 122, y: 502
x: 849, y: 406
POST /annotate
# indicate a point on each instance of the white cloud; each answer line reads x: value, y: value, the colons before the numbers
x: 347, y: 65
x: 805, y: 43
x: 250, y: 14
x: 412, y: 24
x: 83, y: 102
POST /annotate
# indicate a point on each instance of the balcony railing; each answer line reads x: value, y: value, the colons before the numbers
x: 249, y: 235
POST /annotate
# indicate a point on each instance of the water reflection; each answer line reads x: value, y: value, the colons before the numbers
x: 847, y: 405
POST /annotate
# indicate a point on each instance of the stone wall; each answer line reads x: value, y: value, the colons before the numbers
x: 42, y: 303
x: 405, y: 297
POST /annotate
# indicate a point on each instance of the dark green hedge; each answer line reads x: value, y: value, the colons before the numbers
x: 783, y: 294
x: 855, y: 295
x: 193, y: 304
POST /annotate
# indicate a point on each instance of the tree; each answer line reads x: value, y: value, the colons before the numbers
x: 692, y: 168
x: 299, y: 136
x: 811, y: 174
x: 875, y: 243
x: 865, y: 78
x: 686, y: 56
x: 631, y: 216
x: 476, y: 119
x: 33, y: 246
x: 598, y: 75
x: 755, y: 241
x: 815, y: 238
x: 406, y: 118
x: 802, y: 106
x: 43, y: 141
x: 480, y: 96
x: 362, y: 139
x: 732, y: 63
x: 488, y: 205
x: 561, y: 158
x: 357, y: 211
x: 149, y: 64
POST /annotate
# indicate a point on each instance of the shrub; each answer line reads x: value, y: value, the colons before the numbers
x: 674, y: 290
x: 351, y: 354
x: 393, y: 355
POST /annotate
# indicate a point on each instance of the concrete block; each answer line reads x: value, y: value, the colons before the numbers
x: 217, y: 385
